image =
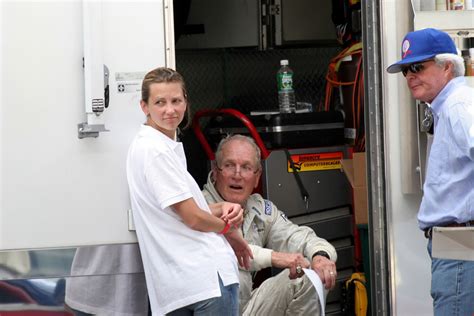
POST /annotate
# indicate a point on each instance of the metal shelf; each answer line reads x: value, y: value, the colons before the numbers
x: 445, y: 20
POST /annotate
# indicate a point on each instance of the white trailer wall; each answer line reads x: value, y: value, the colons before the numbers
x: 410, y: 267
x: 58, y: 190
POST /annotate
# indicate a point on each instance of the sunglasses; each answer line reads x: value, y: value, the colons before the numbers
x: 414, y: 68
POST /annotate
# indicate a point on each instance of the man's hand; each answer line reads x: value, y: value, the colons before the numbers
x: 241, y: 248
x: 326, y: 269
x: 296, y: 262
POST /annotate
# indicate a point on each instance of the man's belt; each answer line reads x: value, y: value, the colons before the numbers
x: 428, y: 231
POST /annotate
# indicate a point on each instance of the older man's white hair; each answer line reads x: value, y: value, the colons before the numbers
x: 239, y: 137
x: 457, y: 61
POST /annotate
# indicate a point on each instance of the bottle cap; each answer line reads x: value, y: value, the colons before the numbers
x: 284, y: 62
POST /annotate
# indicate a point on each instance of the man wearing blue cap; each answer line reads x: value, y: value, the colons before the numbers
x: 434, y: 74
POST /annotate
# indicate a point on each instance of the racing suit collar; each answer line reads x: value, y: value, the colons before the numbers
x: 211, y: 189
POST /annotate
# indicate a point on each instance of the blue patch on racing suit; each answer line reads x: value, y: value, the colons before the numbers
x: 268, y: 207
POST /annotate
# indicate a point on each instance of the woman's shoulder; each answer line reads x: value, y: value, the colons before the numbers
x: 151, y: 144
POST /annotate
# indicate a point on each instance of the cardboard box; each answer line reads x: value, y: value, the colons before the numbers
x: 356, y: 172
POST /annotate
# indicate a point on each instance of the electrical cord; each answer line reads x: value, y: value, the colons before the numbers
x: 357, y: 95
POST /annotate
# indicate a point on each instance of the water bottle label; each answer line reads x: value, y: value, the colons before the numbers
x: 285, y: 82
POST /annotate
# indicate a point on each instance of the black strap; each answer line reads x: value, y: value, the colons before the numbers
x: 304, y: 193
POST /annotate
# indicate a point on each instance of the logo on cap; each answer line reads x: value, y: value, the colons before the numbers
x: 405, y: 48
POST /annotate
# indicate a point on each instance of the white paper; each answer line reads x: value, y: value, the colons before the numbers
x: 453, y: 243
x: 318, y: 285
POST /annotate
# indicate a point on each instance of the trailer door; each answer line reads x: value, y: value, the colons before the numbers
x: 71, y: 81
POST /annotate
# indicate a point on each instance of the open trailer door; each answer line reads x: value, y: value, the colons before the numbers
x: 70, y: 95
x: 71, y: 82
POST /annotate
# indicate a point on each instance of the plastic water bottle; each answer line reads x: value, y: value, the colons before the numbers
x: 286, y: 93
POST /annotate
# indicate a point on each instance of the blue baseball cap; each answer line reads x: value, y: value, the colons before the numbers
x: 423, y: 45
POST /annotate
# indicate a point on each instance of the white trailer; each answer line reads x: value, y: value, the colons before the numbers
x: 62, y: 149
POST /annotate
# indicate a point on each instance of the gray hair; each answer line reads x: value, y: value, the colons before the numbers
x: 457, y: 61
x: 238, y: 137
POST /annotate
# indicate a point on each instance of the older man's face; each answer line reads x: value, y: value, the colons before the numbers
x: 425, y: 84
x: 238, y: 173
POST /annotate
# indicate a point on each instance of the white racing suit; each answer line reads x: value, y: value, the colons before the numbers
x: 266, y: 228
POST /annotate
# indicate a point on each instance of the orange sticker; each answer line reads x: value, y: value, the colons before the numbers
x: 315, y: 162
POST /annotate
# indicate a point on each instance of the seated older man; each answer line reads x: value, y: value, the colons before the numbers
x: 275, y: 241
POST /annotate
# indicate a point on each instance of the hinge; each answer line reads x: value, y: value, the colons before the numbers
x: 274, y: 9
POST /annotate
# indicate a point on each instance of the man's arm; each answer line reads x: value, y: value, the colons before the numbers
x: 285, y: 236
x: 293, y: 242
x: 292, y: 261
x: 461, y: 122
x: 241, y: 248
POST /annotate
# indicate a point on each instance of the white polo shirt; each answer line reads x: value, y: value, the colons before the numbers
x: 181, y: 265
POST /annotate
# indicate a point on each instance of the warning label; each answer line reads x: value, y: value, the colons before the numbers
x: 313, y: 162
x: 129, y: 82
x: 129, y: 87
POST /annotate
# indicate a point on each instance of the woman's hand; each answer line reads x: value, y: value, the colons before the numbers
x: 232, y: 214
x: 241, y: 248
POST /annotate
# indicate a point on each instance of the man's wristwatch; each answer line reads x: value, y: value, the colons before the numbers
x: 321, y: 253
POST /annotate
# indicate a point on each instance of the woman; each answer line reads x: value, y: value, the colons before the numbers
x: 189, y: 264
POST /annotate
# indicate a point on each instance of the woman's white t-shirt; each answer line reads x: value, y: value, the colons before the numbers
x: 181, y: 264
